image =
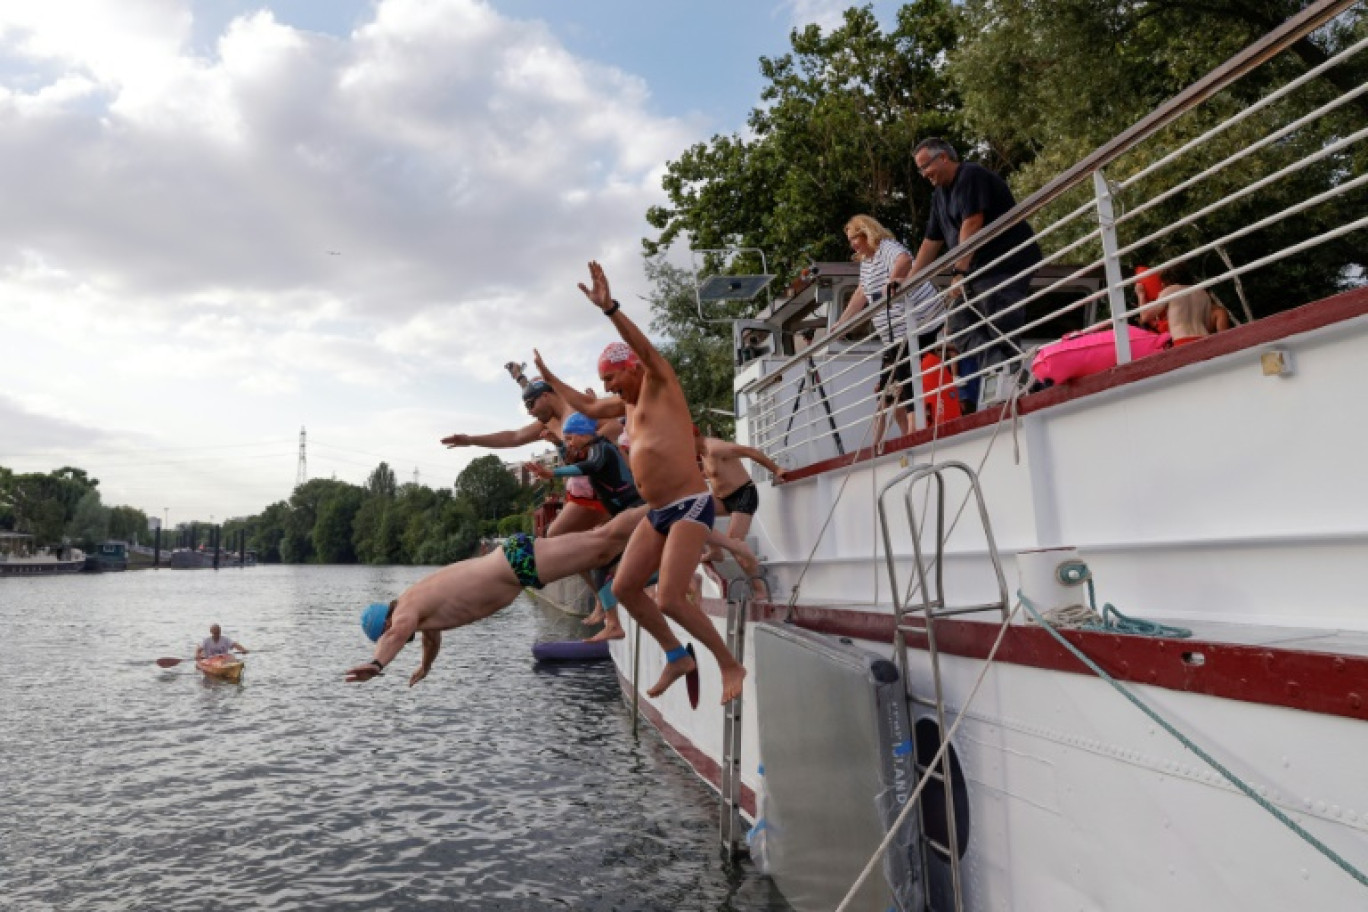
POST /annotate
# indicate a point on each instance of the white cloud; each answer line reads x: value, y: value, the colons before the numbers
x: 826, y: 13
x: 302, y: 220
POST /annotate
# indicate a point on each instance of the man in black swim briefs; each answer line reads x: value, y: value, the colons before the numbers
x: 730, y: 482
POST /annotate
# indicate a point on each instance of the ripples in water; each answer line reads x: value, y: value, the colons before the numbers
x: 490, y: 786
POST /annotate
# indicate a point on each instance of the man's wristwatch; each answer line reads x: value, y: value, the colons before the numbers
x: 612, y: 310
x: 379, y: 665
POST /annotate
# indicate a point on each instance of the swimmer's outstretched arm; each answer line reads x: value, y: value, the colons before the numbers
x: 498, y: 440
x: 432, y: 644
x: 402, y: 625
x: 607, y: 407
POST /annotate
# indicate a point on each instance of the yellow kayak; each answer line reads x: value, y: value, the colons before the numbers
x: 224, y: 667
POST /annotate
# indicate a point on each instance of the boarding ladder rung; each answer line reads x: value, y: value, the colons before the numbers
x: 732, y: 826
x: 930, y: 608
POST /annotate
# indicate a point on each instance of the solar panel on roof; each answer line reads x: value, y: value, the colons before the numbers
x: 733, y: 288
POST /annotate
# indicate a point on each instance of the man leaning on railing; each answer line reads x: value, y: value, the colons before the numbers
x: 966, y: 198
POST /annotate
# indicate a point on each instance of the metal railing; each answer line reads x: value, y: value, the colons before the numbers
x: 821, y: 402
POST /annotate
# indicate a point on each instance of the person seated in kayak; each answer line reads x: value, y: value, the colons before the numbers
x: 216, y: 644
x: 473, y: 589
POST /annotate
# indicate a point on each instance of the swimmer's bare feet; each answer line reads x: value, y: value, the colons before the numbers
x: 733, y: 678
x: 673, y: 672
x: 607, y: 633
x: 595, y: 616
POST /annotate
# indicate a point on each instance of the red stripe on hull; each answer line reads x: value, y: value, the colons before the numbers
x: 1334, y: 684
x: 708, y: 769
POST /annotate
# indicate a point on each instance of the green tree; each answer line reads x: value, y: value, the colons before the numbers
x: 700, y: 350
x: 7, y: 517
x: 518, y: 522
x: 488, y: 486
x: 452, y: 535
x: 332, y: 532
x: 90, y: 523
x: 1046, y: 84
x: 376, y: 532
x: 298, y: 545
x: 381, y: 482
x: 44, y: 505
x: 128, y: 524
x: 834, y: 136
x: 267, y: 532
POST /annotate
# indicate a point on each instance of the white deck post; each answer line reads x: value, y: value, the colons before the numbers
x: 1116, y: 296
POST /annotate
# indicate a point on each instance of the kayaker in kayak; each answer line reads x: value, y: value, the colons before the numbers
x: 473, y: 589
x: 216, y: 644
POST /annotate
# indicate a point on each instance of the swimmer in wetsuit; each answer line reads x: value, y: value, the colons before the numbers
x: 470, y: 590
x: 589, y: 456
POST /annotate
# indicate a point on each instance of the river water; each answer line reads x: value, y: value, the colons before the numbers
x: 491, y: 785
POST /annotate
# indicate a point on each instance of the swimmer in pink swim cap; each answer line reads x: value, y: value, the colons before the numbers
x: 668, y: 477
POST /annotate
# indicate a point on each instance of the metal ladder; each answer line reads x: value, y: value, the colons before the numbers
x: 733, y: 829
x: 931, y: 608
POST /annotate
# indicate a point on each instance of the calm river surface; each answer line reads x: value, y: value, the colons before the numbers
x: 491, y: 785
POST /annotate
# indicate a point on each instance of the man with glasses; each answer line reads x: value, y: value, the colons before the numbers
x: 542, y: 403
x: 967, y: 198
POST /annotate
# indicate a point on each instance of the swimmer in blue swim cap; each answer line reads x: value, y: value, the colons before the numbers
x: 470, y: 590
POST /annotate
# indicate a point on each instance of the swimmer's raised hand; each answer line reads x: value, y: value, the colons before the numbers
x: 599, y: 294
x: 456, y: 440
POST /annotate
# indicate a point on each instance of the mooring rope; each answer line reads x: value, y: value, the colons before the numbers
x: 1187, y: 742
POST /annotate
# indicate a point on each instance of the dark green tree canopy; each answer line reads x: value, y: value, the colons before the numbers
x: 489, y: 487
x: 1027, y: 89
x: 833, y: 138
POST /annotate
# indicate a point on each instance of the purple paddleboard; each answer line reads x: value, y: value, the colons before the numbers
x: 570, y: 651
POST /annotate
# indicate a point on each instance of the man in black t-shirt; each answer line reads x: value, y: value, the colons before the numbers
x: 967, y: 198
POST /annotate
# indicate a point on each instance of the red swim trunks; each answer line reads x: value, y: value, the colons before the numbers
x: 589, y: 503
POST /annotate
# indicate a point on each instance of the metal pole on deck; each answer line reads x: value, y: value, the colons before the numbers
x: 636, y: 671
x: 1116, y: 296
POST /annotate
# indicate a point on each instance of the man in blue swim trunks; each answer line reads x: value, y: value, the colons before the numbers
x: 470, y: 590
x: 668, y: 477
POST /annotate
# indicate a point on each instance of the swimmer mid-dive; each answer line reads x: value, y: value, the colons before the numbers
x: 470, y: 590
x: 668, y: 477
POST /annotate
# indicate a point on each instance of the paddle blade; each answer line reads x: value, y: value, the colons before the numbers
x: 170, y: 663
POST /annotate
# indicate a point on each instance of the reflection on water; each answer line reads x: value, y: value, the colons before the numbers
x: 489, y: 786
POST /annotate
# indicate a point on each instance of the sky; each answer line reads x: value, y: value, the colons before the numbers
x: 224, y: 221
